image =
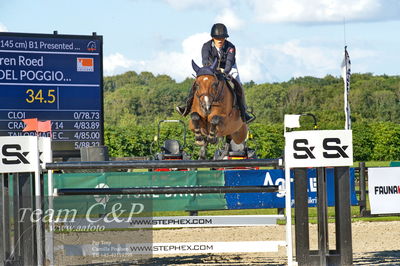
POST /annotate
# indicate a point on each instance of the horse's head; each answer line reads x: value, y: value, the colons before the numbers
x: 207, y: 85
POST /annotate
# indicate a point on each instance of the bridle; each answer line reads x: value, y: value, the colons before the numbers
x: 216, y: 96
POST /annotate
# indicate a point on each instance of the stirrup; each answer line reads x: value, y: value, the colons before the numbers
x: 249, y: 118
x: 183, y: 111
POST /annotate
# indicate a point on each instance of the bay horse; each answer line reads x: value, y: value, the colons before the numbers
x: 213, y: 112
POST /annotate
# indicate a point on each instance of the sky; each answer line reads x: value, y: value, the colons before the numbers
x: 275, y: 40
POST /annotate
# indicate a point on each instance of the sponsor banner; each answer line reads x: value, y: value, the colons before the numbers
x: 318, y: 148
x: 19, y: 154
x: 103, y: 204
x: 108, y: 249
x: 384, y: 190
x: 82, y: 224
x: 277, y: 199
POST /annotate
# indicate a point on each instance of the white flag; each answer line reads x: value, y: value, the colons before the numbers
x: 346, y: 73
x: 292, y: 121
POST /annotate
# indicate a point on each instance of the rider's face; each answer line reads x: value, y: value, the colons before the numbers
x: 219, y: 42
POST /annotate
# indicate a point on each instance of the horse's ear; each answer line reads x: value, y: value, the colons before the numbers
x: 214, y: 64
x: 195, y: 67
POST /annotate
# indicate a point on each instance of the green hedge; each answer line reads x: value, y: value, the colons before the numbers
x: 372, y: 140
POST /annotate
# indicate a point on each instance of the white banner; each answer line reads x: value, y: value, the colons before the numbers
x: 384, y: 190
x: 318, y: 148
x: 107, y: 248
x: 20, y: 154
x: 169, y: 222
x: 45, y: 152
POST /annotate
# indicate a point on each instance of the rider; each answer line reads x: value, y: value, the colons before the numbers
x: 219, y: 48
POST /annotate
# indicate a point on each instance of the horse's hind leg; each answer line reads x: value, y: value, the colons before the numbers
x: 240, y: 135
x: 197, y: 133
x: 203, y: 152
x: 212, y: 136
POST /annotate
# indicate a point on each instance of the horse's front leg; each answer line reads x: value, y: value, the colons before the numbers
x: 212, y: 136
x: 197, y: 133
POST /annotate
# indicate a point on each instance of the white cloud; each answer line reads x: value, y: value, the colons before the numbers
x: 295, y: 60
x: 251, y: 65
x: 317, y: 11
x: 271, y: 63
x: 280, y: 62
x: 205, y: 4
x: 229, y: 18
x: 116, y: 63
x: 318, y: 59
x: 305, y: 11
x: 364, y: 60
x: 176, y: 64
x: 3, y: 28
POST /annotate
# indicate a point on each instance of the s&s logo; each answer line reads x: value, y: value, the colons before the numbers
x: 333, y: 144
x: 13, y: 154
x: 319, y: 148
x: 332, y: 149
x: 305, y: 152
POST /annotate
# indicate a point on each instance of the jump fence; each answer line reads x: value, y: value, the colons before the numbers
x: 31, y: 244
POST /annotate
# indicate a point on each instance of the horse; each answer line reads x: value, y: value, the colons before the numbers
x: 213, y: 112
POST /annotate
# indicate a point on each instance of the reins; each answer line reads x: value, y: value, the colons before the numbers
x: 218, y: 97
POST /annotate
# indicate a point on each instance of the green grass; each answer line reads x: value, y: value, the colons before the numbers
x: 355, y: 164
x: 373, y: 164
x: 377, y: 164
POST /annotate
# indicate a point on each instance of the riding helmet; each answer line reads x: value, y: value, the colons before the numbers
x: 219, y: 30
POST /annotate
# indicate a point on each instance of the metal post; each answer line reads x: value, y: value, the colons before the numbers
x: 4, y: 221
x: 49, y: 235
x: 343, y: 215
x: 322, y: 210
x: 288, y: 207
x: 301, y: 216
x: 27, y: 236
x: 363, y: 198
x: 165, y: 190
x: 38, y: 206
x: 16, y: 203
x: 161, y: 164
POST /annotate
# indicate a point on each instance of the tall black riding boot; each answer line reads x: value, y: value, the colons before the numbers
x: 242, y: 106
x: 184, y: 110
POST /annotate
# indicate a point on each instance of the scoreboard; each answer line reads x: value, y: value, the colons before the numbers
x: 53, y: 77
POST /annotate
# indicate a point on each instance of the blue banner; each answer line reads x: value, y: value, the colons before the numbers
x: 277, y: 177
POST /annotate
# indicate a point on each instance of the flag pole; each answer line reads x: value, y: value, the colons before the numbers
x: 346, y: 73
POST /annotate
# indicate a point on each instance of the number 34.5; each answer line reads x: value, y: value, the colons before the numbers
x: 38, y: 96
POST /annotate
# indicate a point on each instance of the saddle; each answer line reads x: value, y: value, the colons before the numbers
x: 233, y: 86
